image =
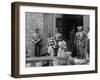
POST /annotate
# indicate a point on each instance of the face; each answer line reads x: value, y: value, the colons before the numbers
x: 60, y: 39
x: 49, y: 35
x: 79, y: 29
x: 36, y: 30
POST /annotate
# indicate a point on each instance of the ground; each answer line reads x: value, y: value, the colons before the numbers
x: 37, y: 62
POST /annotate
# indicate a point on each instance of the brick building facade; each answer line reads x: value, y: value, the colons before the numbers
x: 47, y: 24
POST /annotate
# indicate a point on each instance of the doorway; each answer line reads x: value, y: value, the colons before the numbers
x: 65, y: 26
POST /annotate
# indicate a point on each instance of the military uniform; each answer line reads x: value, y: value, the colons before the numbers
x: 80, y: 41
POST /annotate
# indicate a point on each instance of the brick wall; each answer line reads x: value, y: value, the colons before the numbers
x: 32, y: 20
x: 46, y: 24
x: 86, y: 22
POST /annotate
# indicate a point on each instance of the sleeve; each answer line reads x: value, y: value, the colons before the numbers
x: 64, y: 44
x: 85, y: 35
x: 59, y: 43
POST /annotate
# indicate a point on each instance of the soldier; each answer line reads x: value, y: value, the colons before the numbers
x: 80, y: 41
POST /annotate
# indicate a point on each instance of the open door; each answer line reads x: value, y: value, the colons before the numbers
x: 65, y: 26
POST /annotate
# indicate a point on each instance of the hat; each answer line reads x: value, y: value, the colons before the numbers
x: 79, y: 27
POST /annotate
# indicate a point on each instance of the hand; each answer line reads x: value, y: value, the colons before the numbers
x: 36, y: 41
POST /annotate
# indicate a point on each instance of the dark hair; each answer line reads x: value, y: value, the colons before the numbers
x: 49, y: 34
x: 36, y: 29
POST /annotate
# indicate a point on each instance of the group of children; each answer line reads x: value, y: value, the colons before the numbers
x: 56, y: 46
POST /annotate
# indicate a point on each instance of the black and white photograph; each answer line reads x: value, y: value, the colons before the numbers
x: 51, y: 39
x: 56, y: 39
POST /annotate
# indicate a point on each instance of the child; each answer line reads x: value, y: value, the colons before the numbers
x: 51, y: 45
x: 62, y: 48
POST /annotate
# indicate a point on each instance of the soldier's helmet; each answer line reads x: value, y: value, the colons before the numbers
x: 79, y: 27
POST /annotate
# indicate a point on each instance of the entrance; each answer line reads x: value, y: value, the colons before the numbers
x: 65, y: 26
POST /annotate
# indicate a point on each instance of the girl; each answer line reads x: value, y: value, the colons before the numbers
x: 62, y: 48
